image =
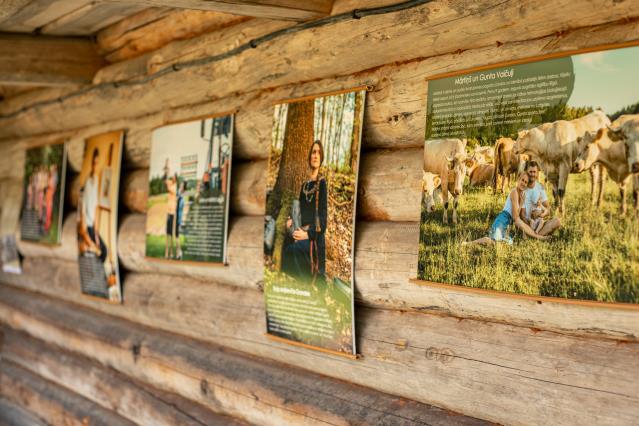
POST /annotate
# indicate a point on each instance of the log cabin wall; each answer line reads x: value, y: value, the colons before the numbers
x: 188, y: 344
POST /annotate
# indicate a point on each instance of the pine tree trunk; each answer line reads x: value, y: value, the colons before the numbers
x: 293, y: 170
x: 340, y: 121
x: 357, y: 128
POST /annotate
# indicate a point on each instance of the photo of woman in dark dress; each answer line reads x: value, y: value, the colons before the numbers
x: 305, y: 254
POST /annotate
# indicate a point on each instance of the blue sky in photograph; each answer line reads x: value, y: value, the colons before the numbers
x: 607, y: 79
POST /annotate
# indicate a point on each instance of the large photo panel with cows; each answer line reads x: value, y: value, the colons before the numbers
x: 531, y: 178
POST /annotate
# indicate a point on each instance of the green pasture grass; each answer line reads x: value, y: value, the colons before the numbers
x: 155, y: 247
x: 594, y: 256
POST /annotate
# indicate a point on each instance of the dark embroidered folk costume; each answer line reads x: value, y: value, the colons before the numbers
x: 307, y: 258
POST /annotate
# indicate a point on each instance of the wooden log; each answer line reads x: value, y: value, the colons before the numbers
x: 12, y: 414
x: 389, y: 187
x: 245, y: 253
x: 10, y: 8
x: 427, y: 38
x: 497, y: 369
x: 67, y: 249
x: 385, y: 261
x: 390, y: 184
x: 260, y: 391
x: 56, y: 404
x: 11, y: 196
x: 113, y: 391
x: 394, y: 114
x: 47, y: 61
x: 135, y: 190
x: 289, y: 10
x: 344, y: 6
x: 10, y: 90
x: 155, y: 27
x: 117, y: 35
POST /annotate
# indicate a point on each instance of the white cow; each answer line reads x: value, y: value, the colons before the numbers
x: 629, y: 126
x: 555, y: 145
x: 608, y: 147
x: 441, y: 157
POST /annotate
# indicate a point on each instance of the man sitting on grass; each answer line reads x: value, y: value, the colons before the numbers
x: 536, y: 208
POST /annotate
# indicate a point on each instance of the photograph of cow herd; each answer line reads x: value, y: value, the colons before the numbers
x: 543, y: 213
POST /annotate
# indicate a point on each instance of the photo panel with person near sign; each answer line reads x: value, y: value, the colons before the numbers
x: 531, y: 178
x: 43, y: 194
x: 310, y: 220
x: 189, y: 186
x: 98, y: 216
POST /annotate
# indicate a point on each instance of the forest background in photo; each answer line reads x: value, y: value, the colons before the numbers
x: 336, y: 121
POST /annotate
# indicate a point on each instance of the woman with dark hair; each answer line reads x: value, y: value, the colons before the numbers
x: 305, y: 256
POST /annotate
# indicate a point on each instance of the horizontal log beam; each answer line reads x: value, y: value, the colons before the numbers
x: 57, y: 405
x: 289, y: 10
x: 381, y: 39
x: 389, y: 187
x: 260, y: 391
x: 570, y: 377
x: 113, y: 391
x: 47, y: 61
x: 385, y: 261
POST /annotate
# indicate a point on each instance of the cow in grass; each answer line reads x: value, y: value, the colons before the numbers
x: 555, y: 146
x: 487, y: 153
x: 446, y: 159
x: 479, y: 172
x: 627, y: 127
x: 507, y: 163
x: 608, y: 146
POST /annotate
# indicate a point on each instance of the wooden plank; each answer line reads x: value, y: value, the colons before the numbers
x: 412, y: 40
x: 259, y: 390
x: 14, y: 415
x: 90, y: 18
x: 288, y: 10
x: 153, y: 28
x: 96, y: 17
x: 35, y: 14
x: 48, y: 61
x: 132, y: 400
x: 496, y: 369
x: 54, y: 403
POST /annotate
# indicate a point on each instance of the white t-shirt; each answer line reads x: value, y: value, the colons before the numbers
x: 90, y: 200
x: 533, y: 196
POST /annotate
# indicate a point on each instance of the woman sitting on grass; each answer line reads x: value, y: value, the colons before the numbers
x: 499, y: 229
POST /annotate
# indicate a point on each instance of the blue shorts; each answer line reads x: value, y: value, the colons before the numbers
x: 499, y: 228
